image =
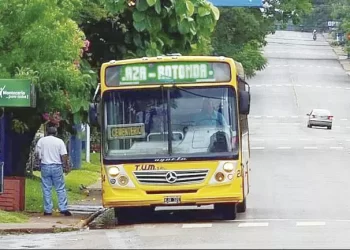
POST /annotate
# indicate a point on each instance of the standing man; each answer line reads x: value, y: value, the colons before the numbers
x: 52, y: 154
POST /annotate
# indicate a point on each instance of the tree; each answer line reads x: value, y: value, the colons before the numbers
x: 319, y: 16
x: 40, y: 41
x: 149, y: 28
x: 240, y: 34
x: 341, y: 14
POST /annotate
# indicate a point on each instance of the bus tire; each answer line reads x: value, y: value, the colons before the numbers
x: 131, y: 215
x: 227, y: 210
x: 242, y: 207
x: 125, y: 215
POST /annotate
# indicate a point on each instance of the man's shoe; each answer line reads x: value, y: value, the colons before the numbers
x: 47, y: 214
x: 66, y: 213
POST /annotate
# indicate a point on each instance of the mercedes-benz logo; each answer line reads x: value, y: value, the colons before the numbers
x: 171, y: 177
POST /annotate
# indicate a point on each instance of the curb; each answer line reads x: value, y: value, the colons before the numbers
x: 340, y: 60
x: 83, y: 223
x: 38, y: 230
x: 53, y: 229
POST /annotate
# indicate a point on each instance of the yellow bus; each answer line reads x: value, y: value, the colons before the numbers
x: 203, y: 103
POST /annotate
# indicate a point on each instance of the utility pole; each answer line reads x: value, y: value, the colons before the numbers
x: 87, y: 145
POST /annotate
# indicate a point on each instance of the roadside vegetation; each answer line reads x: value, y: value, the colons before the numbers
x: 87, y: 175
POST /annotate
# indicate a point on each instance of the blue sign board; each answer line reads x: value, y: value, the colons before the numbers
x: 237, y: 3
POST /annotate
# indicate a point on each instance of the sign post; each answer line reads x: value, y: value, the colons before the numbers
x: 238, y: 3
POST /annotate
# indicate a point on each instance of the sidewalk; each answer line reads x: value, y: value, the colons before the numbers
x: 340, y: 52
x: 83, y: 213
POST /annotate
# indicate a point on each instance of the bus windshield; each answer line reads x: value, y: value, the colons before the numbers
x: 202, y: 122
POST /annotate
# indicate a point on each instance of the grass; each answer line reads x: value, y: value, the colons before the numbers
x: 94, y: 158
x: 12, y: 217
x: 87, y: 175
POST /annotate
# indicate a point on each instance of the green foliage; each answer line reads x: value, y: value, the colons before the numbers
x: 318, y: 17
x: 40, y: 41
x: 240, y: 34
x: 155, y: 27
x: 12, y: 217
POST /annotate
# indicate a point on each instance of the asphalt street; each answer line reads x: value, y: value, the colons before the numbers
x: 300, y: 176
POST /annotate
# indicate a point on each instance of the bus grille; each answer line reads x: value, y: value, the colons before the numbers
x: 171, y: 177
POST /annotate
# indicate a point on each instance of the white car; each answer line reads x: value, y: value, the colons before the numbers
x: 320, y: 118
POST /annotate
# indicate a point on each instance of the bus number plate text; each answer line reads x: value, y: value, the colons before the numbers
x: 172, y: 199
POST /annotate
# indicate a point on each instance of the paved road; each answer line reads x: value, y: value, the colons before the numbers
x: 300, y: 176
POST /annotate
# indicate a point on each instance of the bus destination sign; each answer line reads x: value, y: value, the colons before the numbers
x: 165, y: 72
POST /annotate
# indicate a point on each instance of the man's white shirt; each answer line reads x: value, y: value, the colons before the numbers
x: 50, y: 149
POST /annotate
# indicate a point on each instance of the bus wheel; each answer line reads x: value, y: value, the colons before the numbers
x: 125, y: 215
x: 131, y: 215
x: 227, y: 210
x: 242, y: 207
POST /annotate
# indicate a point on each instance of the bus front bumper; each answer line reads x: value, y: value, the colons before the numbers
x: 204, y: 196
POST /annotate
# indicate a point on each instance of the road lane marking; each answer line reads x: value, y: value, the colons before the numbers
x: 197, y: 225
x: 256, y: 139
x: 294, y: 116
x: 344, y: 119
x: 336, y: 148
x: 144, y: 226
x: 257, y: 116
x: 257, y: 148
x: 310, y: 223
x: 284, y: 148
x: 310, y: 147
x: 254, y: 224
x: 269, y: 116
x: 305, y: 139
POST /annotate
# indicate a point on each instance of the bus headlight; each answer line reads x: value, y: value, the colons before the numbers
x: 113, y: 171
x: 123, y: 180
x: 224, y: 173
x: 229, y: 167
x: 219, y: 177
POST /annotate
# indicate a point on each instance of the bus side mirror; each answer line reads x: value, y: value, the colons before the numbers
x: 244, y: 102
x: 94, y: 114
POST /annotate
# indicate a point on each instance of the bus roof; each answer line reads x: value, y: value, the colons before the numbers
x: 138, y: 78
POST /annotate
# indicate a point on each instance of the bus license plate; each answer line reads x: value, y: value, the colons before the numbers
x: 172, y: 199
